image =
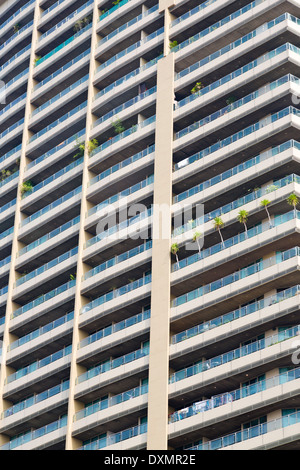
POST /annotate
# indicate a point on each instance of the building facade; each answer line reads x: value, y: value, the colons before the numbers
x: 149, y: 240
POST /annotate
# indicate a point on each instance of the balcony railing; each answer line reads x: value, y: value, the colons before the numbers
x: 236, y: 276
x: 234, y: 354
x: 23, y: 405
x: 249, y: 433
x: 46, y: 209
x: 39, y: 364
x: 117, y: 437
x: 45, y: 267
x: 209, y: 216
x: 238, y: 394
x: 115, y: 400
x: 233, y: 45
x: 41, y: 331
x: 236, y: 314
x: 143, y: 281
x: 49, y: 236
x: 114, y: 328
x: 122, y: 164
x: 43, y: 298
x: 237, y: 104
x: 61, y: 46
x: 113, y: 364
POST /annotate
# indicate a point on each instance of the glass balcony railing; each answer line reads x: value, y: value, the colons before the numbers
x: 237, y: 104
x: 232, y: 396
x: 14, y: 36
x: 117, y: 437
x: 39, y: 364
x: 237, y: 169
x: 58, y: 121
x: 65, y: 43
x: 113, y: 364
x: 255, y: 306
x: 131, y: 48
x: 45, y: 12
x: 17, y: 13
x: 143, y: 281
x: 123, y: 106
x: 236, y: 276
x: 119, y: 259
x: 11, y: 128
x: 218, y: 24
x: 115, y: 400
x: 114, y: 328
x: 51, y: 206
x: 11, y: 105
x: 9, y: 178
x: 66, y: 19
x: 114, y: 8
x: 60, y: 95
x: 14, y: 57
x: 7, y: 232
x: 43, y: 298
x: 252, y: 232
x: 237, y: 136
x: 234, y: 354
x: 233, y: 45
x: 124, y: 26
x: 4, y: 290
x: 209, y: 216
x: 49, y: 236
x: 62, y: 69
x: 237, y: 73
x: 124, y: 134
x: 30, y: 436
x: 53, y: 177
x: 116, y: 228
x: 45, y: 267
x: 56, y: 149
x: 5, y: 261
x: 38, y: 398
x: 123, y: 79
x: 41, y: 331
x: 10, y: 153
x: 8, y: 205
x: 126, y: 192
x: 128, y: 161
x: 192, y: 12
x: 249, y: 433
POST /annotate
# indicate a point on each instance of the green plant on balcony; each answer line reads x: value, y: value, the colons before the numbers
x: 103, y: 11
x: 293, y: 200
x: 87, y: 20
x: 78, y: 26
x: 116, y: 2
x: 174, y: 251
x: 196, y: 88
x: 36, y: 60
x: 196, y: 237
x: 264, y: 203
x: 118, y: 126
x: 230, y: 100
x: 218, y: 224
x: 242, y: 218
x: 271, y: 188
x: 4, y: 174
x: 91, y: 145
x: 72, y: 277
x: 16, y: 27
x: 26, y: 187
x: 173, y: 44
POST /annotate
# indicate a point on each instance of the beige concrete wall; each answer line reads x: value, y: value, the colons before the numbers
x: 161, y: 261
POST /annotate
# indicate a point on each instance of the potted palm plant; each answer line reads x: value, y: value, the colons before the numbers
x: 265, y: 203
x: 218, y: 224
x: 242, y: 218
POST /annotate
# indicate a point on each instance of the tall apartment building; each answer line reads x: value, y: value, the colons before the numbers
x: 123, y: 329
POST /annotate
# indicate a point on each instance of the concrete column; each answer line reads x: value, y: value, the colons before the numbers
x: 161, y: 260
